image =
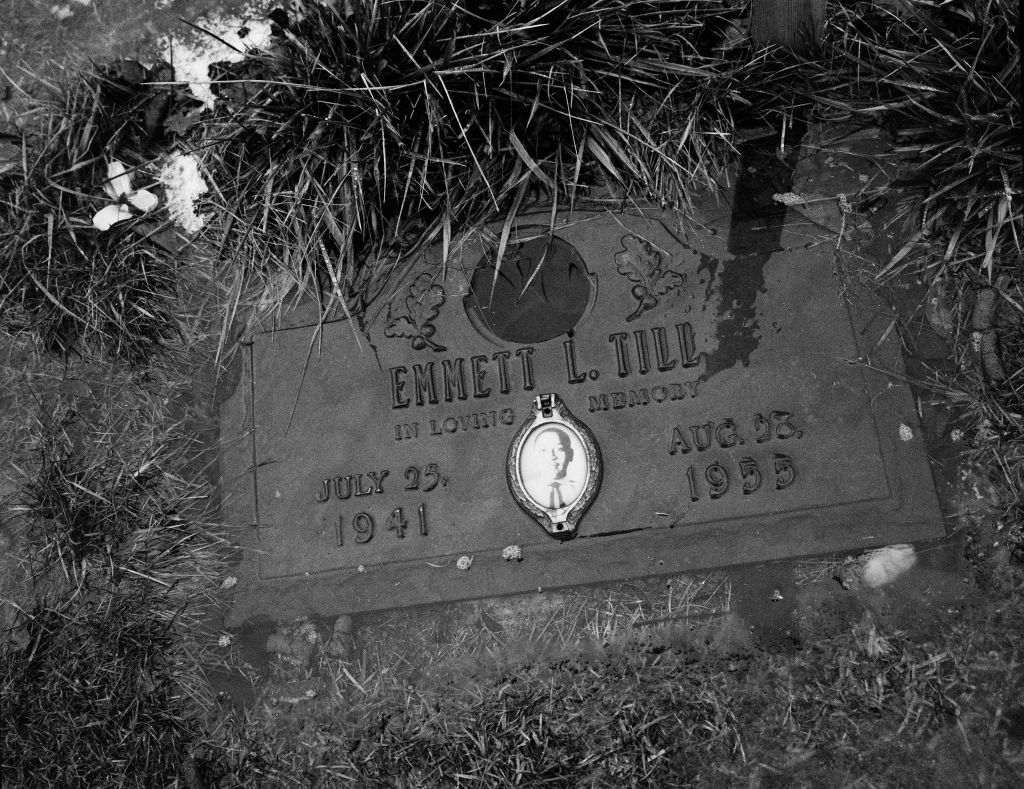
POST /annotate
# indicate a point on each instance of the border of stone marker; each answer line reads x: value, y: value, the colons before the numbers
x: 909, y: 512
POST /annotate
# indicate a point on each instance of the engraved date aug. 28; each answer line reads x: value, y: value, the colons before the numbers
x: 728, y: 433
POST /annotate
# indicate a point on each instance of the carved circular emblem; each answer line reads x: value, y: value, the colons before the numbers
x: 540, y: 291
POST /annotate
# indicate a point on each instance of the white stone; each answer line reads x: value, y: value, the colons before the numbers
x: 885, y: 565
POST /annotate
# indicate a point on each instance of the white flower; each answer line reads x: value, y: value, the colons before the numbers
x: 464, y: 562
x: 956, y: 435
x: 224, y: 640
x: 228, y: 582
x: 118, y: 186
x: 512, y: 553
x: 906, y: 434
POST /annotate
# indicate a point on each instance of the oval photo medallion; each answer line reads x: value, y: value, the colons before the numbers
x: 554, y: 467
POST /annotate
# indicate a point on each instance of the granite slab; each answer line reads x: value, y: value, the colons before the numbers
x: 741, y: 407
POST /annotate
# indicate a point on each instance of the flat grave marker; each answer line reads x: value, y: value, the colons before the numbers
x: 620, y: 399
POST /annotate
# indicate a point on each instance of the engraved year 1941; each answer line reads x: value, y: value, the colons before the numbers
x: 364, y: 525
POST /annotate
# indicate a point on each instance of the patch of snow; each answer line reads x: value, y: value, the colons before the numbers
x: 183, y: 185
x: 886, y: 564
x: 192, y: 53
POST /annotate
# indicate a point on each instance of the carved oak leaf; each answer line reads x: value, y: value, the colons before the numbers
x: 423, y: 302
x: 668, y: 280
x: 641, y: 263
x: 401, y: 327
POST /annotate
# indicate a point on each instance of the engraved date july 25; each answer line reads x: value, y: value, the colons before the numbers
x: 351, y: 486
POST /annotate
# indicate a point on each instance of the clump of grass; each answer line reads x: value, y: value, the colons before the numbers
x: 62, y: 280
x: 100, y: 667
x: 375, y: 128
x: 945, y: 79
x: 991, y: 423
x: 866, y: 706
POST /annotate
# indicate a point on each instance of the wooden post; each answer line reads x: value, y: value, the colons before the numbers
x: 796, y: 24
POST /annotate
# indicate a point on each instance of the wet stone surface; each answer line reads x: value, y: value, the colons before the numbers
x: 722, y: 404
